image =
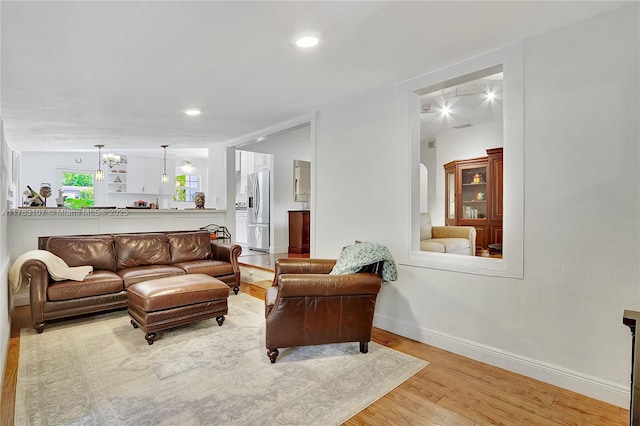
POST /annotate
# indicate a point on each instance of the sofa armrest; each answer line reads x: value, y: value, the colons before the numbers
x: 468, y: 232
x: 226, y: 253
x: 35, y: 273
x: 323, y: 285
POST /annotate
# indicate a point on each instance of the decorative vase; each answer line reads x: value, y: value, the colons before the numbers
x: 45, y: 191
x: 199, y: 199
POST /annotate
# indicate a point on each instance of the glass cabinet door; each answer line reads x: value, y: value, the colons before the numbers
x: 451, y: 195
x: 474, y: 193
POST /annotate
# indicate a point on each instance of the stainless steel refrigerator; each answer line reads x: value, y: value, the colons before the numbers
x: 258, y: 211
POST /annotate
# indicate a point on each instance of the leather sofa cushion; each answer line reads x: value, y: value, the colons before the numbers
x: 96, y: 251
x: 187, y: 246
x: 214, y: 268
x: 144, y: 273
x: 141, y: 250
x: 95, y: 284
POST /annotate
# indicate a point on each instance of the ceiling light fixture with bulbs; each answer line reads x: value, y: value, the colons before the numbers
x: 486, y: 95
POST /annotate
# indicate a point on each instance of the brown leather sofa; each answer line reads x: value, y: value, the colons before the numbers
x: 118, y: 261
x: 307, y: 306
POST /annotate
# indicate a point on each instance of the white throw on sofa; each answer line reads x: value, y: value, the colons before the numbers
x: 446, y: 239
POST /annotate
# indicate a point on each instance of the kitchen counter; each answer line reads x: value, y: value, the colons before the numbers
x: 98, y: 211
x: 25, y: 225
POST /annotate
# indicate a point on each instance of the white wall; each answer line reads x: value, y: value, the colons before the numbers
x: 562, y: 323
x: 285, y: 148
x: 5, y: 307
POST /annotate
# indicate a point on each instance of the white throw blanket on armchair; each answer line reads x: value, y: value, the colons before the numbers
x: 57, y: 267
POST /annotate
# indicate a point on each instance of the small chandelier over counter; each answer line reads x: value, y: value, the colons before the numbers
x: 111, y: 159
x: 99, y: 172
x: 165, y: 177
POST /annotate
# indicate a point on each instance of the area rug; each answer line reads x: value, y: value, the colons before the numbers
x: 99, y: 370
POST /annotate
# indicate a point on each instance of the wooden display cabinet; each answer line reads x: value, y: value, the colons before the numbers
x: 496, y: 173
x: 299, y: 231
x: 473, y: 196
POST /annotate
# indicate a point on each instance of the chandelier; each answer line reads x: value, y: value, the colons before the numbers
x: 111, y: 159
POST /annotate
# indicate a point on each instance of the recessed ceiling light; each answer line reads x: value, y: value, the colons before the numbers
x: 306, y: 40
x: 192, y: 112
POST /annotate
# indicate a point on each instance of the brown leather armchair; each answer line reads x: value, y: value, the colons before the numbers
x: 307, y: 306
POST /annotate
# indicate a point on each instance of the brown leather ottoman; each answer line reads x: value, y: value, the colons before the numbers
x: 169, y: 302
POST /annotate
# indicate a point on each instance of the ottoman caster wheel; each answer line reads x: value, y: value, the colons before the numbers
x: 220, y: 319
x: 150, y: 337
x: 134, y: 324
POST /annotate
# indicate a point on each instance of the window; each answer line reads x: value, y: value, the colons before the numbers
x: 509, y: 61
x: 78, y: 189
x: 186, y: 187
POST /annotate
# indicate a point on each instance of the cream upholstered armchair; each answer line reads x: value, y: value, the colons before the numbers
x: 446, y: 239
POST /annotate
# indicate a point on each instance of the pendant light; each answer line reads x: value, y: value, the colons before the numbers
x: 99, y: 172
x: 165, y: 177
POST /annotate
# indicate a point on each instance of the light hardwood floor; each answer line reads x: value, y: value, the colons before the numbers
x: 451, y: 390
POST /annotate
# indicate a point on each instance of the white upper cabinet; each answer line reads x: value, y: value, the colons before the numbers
x: 145, y: 174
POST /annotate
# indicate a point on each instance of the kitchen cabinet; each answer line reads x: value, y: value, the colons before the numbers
x: 241, y: 226
x: 299, y: 231
x: 473, y: 196
x: 261, y: 162
x: 246, y: 168
x: 145, y: 173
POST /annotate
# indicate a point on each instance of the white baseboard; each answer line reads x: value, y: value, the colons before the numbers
x: 594, y: 387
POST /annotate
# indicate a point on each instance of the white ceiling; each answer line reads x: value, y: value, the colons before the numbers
x: 468, y: 106
x: 75, y: 74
